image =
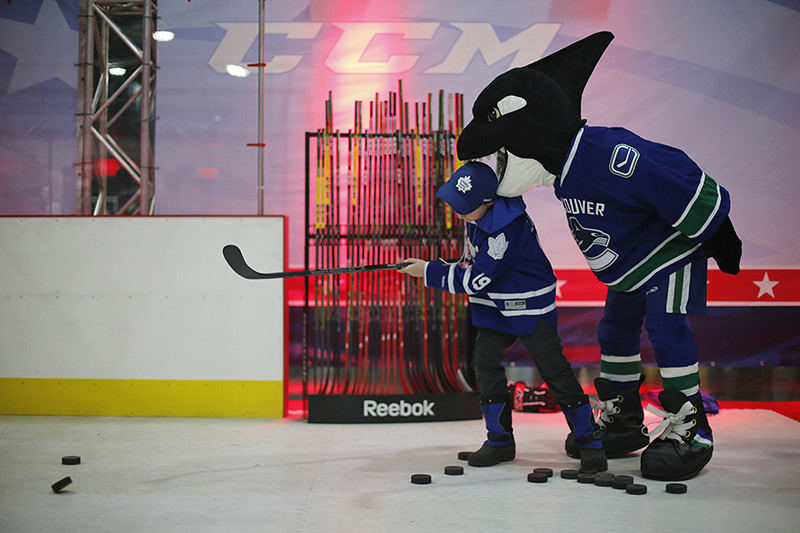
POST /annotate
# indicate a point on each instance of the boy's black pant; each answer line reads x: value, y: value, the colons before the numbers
x: 543, y: 345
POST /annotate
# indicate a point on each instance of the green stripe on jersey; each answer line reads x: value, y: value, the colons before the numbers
x: 701, y: 209
x: 676, y: 284
x: 672, y: 249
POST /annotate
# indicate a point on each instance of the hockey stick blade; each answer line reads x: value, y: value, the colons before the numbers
x: 233, y: 256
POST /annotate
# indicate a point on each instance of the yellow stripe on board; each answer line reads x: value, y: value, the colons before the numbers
x: 141, y: 397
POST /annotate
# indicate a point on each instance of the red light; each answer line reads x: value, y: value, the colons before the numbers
x: 106, y: 167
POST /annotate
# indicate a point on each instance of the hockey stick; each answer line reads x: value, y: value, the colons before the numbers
x: 235, y: 259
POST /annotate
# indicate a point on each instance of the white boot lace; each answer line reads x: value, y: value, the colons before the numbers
x: 674, y: 426
x: 606, y: 409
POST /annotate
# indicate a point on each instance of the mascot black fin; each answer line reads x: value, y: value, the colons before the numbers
x: 572, y: 66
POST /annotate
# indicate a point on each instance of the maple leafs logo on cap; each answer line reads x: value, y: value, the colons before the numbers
x: 464, y: 184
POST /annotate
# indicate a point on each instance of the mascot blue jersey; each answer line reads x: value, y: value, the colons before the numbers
x: 510, y: 282
x: 636, y: 208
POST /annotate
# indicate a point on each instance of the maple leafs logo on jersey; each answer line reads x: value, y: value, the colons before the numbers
x: 472, y: 250
x: 497, y: 246
x: 464, y: 184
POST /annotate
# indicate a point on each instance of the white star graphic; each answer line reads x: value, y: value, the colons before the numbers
x: 44, y: 50
x: 559, y: 283
x: 765, y: 286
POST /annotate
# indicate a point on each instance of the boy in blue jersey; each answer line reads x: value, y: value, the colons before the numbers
x: 511, y: 289
x: 646, y: 218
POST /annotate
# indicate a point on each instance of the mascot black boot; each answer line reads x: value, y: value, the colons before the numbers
x: 499, y: 445
x: 584, y: 433
x: 620, y: 421
x: 684, y: 445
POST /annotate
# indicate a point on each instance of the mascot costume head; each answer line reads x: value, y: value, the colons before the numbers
x: 529, y: 116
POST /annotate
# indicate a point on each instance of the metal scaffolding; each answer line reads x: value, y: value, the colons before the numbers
x: 116, y: 108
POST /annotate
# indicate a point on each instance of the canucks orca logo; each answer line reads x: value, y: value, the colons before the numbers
x: 587, y: 237
x: 594, y: 245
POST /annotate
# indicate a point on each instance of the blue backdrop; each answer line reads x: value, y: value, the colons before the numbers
x: 719, y: 79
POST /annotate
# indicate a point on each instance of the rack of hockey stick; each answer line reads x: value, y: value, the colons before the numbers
x: 370, y: 199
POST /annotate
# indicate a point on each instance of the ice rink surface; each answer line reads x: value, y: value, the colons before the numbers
x: 181, y: 474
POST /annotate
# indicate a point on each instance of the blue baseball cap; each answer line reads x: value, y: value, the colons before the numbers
x: 471, y: 186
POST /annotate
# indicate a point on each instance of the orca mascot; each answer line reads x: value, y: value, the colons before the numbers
x: 646, y: 218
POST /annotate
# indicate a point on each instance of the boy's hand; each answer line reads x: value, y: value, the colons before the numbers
x: 416, y: 268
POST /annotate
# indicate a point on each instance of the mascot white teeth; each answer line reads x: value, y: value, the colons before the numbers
x: 646, y: 218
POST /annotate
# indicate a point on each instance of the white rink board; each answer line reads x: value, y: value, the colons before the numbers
x: 140, y: 298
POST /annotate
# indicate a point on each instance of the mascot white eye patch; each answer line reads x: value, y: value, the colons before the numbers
x: 517, y: 174
x: 506, y: 105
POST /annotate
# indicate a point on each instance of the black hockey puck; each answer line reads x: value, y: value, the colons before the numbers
x: 537, y: 477
x: 569, y: 474
x: 585, y: 477
x: 603, y: 479
x: 676, y: 488
x: 544, y: 470
x: 621, y: 481
x: 59, y: 485
x: 463, y: 456
x: 454, y: 470
x: 420, y: 479
x: 70, y: 460
x: 636, y: 488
